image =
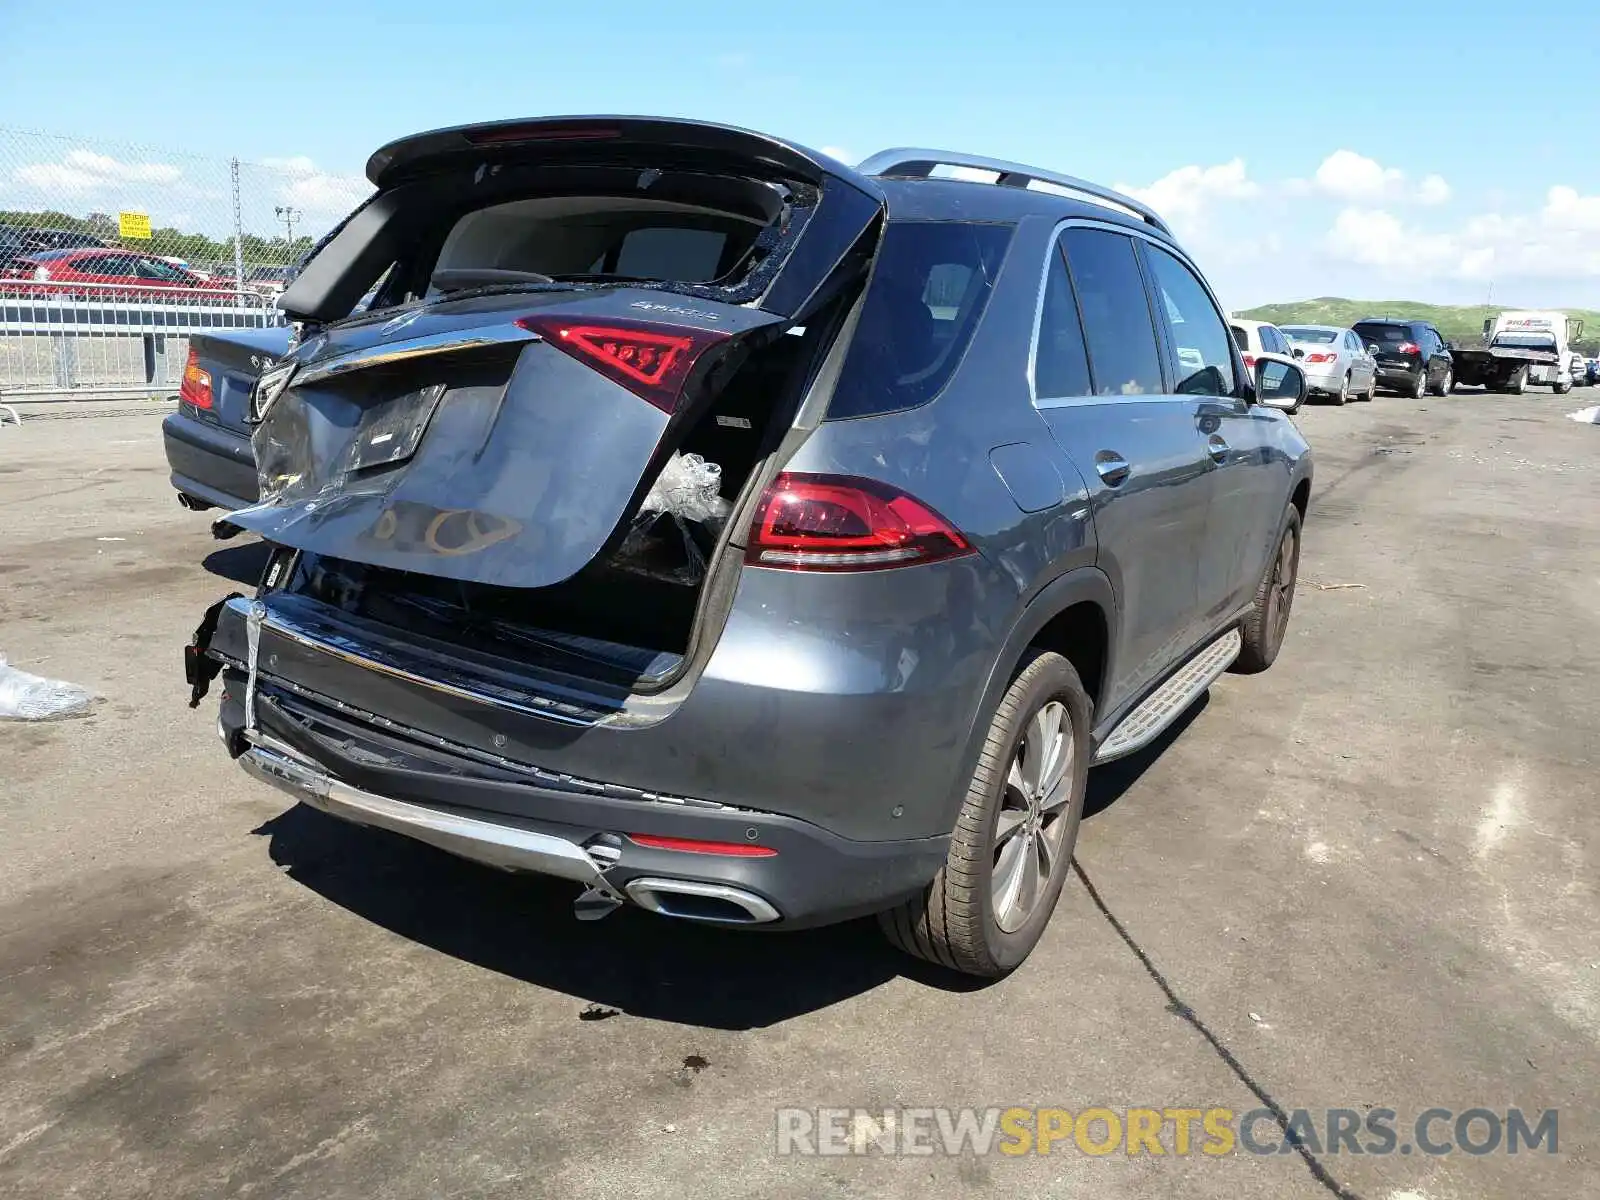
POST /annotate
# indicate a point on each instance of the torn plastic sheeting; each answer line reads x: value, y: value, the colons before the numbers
x: 676, y: 528
x: 26, y: 697
x: 1587, y: 416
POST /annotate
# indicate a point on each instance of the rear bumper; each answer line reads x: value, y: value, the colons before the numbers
x: 208, y: 462
x: 1397, y: 376
x: 1327, y: 384
x: 810, y: 876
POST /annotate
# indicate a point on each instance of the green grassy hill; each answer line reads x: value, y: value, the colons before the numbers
x: 1458, y: 323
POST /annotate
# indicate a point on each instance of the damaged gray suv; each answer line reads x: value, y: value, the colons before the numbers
x: 746, y: 537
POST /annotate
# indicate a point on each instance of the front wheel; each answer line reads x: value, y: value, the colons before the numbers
x: 1267, y: 622
x: 1563, y: 388
x: 1009, y: 854
x: 1518, y: 384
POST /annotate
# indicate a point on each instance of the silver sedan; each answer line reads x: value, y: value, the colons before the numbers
x: 1335, y: 362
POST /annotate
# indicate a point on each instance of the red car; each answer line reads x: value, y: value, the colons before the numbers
x: 91, y: 274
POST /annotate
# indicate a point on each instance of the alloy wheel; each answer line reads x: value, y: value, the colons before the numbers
x: 1030, y: 824
x: 1280, y: 592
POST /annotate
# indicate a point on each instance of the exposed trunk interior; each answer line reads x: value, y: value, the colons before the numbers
x: 621, y: 623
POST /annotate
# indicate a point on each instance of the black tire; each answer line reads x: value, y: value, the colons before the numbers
x: 1447, y: 384
x: 1563, y: 388
x: 1420, y: 388
x: 1267, y: 621
x: 1518, y: 383
x: 954, y: 921
x: 1342, y: 394
x: 1372, y: 390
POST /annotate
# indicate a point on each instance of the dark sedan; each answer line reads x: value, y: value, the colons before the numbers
x: 207, y: 438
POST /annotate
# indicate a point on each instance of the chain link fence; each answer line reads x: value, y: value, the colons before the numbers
x: 111, y: 254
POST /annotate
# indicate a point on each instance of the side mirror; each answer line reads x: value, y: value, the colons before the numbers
x: 1280, y: 385
x: 1299, y: 353
x: 1372, y: 348
x: 1449, y: 345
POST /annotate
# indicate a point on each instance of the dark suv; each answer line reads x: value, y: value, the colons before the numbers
x: 745, y: 537
x: 1412, y: 358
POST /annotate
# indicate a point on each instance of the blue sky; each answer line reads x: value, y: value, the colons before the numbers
x: 1300, y: 151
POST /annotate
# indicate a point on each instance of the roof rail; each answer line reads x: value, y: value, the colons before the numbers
x: 920, y: 164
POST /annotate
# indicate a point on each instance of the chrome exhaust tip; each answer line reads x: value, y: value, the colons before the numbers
x: 688, y: 900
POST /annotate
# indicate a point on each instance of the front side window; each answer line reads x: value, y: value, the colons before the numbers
x: 1199, y: 337
x: 930, y: 285
x: 1123, y: 356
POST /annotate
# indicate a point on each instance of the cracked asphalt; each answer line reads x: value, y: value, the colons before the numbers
x: 1364, y: 879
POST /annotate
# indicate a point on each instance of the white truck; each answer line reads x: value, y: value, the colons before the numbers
x: 1522, y: 348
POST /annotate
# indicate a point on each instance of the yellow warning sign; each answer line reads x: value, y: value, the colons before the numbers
x: 133, y: 225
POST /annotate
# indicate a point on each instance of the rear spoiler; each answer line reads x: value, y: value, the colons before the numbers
x: 602, y: 139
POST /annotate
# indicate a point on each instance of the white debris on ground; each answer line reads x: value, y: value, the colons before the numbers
x: 25, y: 697
x: 1588, y: 416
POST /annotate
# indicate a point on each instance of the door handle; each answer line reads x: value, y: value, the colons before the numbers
x: 1111, y: 467
x: 1217, y: 448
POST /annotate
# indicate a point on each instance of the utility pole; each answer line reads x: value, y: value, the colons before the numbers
x: 288, y: 216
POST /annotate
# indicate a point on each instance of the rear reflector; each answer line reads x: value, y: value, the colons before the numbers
x: 652, y: 361
x: 841, y: 523
x: 697, y: 846
x: 195, y: 390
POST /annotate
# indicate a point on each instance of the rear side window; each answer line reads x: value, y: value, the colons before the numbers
x: 1061, y: 365
x: 1241, y: 339
x: 930, y: 285
x: 1116, y: 313
x: 1199, y: 338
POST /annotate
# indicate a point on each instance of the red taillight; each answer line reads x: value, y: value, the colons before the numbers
x: 1409, y: 348
x: 837, y: 523
x: 652, y: 361
x: 195, y: 390
x: 699, y: 846
x: 1321, y: 358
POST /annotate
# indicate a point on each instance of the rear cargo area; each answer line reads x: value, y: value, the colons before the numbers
x: 581, y: 345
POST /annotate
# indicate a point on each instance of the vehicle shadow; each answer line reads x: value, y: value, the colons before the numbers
x: 243, y: 564
x: 631, y: 961
x: 1108, y: 783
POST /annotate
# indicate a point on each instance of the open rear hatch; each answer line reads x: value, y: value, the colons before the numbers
x: 562, y: 302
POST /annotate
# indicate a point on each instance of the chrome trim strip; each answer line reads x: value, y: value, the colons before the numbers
x: 364, y: 657
x: 422, y: 347
x: 919, y: 163
x: 646, y: 893
x: 505, y: 846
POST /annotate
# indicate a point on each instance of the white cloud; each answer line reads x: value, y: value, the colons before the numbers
x: 1433, y: 190
x: 302, y: 184
x: 1182, y: 196
x: 1346, y: 175
x: 1556, y: 242
x: 85, y: 171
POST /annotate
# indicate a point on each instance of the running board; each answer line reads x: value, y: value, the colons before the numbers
x: 1164, y: 705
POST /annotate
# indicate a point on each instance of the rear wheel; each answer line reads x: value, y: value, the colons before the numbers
x: 1267, y: 621
x: 1563, y: 388
x: 1344, y: 391
x: 1420, y: 388
x: 1447, y: 384
x: 989, y: 904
